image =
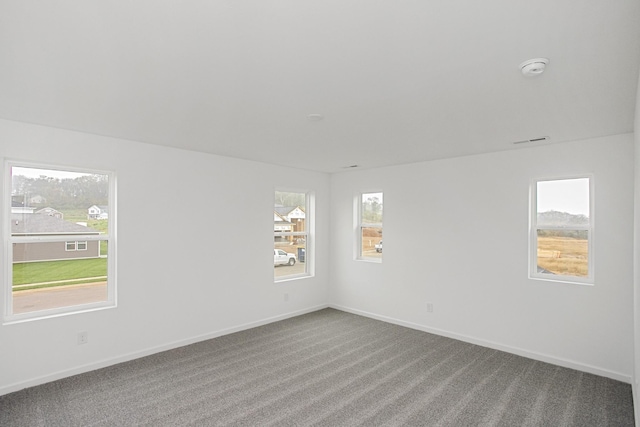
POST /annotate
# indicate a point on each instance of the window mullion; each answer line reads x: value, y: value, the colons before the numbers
x: 58, y: 238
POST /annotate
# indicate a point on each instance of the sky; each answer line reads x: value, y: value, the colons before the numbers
x: 35, y: 173
x: 370, y: 196
x: 566, y: 195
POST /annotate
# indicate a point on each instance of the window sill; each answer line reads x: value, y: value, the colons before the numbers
x: 292, y: 278
x: 564, y: 279
x: 52, y: 313
x: 370, y: 260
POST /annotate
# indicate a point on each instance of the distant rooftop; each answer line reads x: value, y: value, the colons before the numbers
x: 35, y: 224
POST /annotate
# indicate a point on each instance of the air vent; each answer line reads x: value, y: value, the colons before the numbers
x: 315, y: 117
x: 527, y: 141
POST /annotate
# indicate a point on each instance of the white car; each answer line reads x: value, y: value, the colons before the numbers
x: 281, y: 257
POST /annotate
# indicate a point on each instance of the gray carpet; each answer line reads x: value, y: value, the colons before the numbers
x: 327, y: 368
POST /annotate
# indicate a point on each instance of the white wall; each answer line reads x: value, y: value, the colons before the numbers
x: 456, y: 235
x: 195, y: 234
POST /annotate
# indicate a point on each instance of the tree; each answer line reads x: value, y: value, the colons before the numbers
x: 372, y: 210
x: 63, y: 193
x: 284, y: 198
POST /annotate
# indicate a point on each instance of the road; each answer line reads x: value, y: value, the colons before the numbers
x: 285, y: 270
x: 62, y: 296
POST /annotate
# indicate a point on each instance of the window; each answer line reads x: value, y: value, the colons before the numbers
x: 292, y: 215
x: 562, y: 230
x: 370, y: 226
x: 76, y: 246
x: 60, y: 257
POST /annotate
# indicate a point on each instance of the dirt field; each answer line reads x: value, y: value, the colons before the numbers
x: 563, y: 255
x: 370, y: 238
x: 368, y: 247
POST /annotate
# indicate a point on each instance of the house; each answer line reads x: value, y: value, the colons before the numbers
x: 26, y: 200
x: 281, y: 224
x: 423, y: 101
x: 22, y: 209
x: 50, y: 212
x: 37, y: 200
x: 98, y: 212
x: 75, y: 246
x: 289, y: 218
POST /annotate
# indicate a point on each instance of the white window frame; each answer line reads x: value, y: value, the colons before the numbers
x: 6, y: 296
x: 360, y: 224
x: 308, y: 235
x: 533, y: 234
x: 76, y: 246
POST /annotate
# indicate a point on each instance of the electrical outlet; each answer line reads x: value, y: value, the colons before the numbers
x: 83, y: 337
x: 286, y: 297
x: 429, y: 307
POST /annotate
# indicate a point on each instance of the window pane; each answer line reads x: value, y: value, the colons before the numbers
x: 73, y: 197
x: 290, y: 234
x: 371, y: 242
x: 563, y: 202
x: 40, y: 285
x: 371, y: 226
x: 289, y: 212
x: 289, y: 256
x: 67, y: 208
x: 563, y: 252
x: 372, y: 208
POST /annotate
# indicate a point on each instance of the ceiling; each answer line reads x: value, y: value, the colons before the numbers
x: 395, y: 81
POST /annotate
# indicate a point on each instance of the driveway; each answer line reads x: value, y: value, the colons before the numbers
x: 285, y: 270
x: 62, y: 296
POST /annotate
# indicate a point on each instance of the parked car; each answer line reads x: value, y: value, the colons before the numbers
x: 379, y: 247
x: 281, y: 257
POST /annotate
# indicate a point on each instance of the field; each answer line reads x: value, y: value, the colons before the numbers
x: 80, y: 215
x: 564, y: 255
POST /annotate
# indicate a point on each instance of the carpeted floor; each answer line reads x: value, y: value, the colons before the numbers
x: 327, y: 368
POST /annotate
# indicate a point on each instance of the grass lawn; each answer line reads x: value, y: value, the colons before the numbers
x: 51, y: 271
x: 80, y: 215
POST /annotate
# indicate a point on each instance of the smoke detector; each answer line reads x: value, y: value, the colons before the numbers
x: 534, y: 67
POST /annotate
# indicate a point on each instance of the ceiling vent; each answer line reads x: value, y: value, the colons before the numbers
x: 527, y: 141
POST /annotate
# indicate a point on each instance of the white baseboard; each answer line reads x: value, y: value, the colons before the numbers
x: 169, y: 346
x: 496, y: 346
x: 147, y: 352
